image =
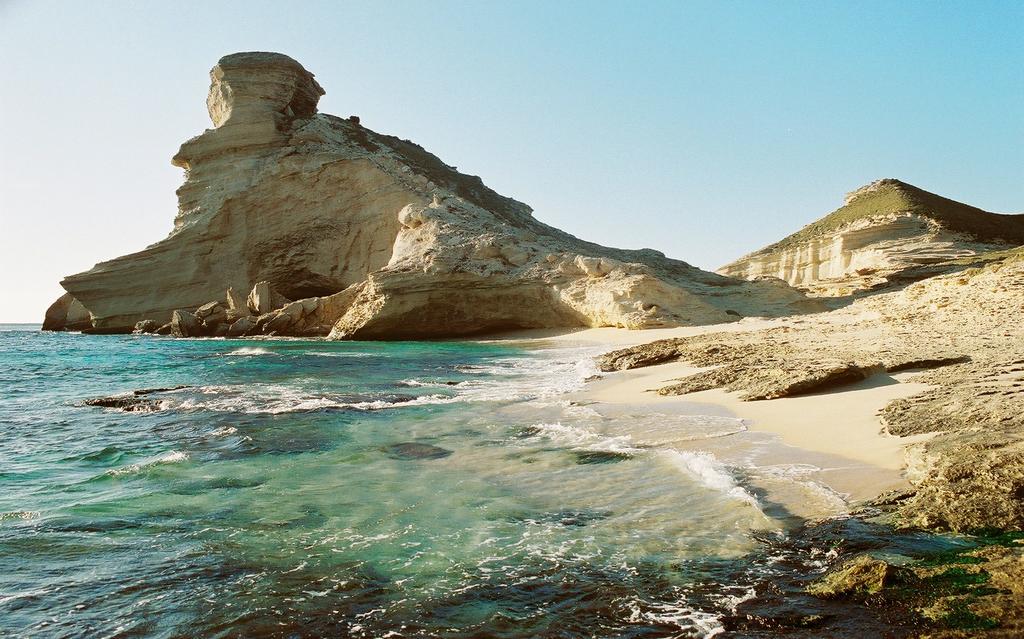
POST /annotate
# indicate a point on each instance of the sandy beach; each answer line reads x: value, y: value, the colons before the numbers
x: 838, y: 431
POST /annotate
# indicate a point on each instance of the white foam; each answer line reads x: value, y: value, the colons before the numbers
x: 710, y: 472
x: 171, y: 457
x: 660, y: 429
x: 576, y: 438
x: 248, y: 351
x: 708, y: 624
x: 275, y: 399
x: 800, y: 474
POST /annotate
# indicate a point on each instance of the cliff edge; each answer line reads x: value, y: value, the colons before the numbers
x: 338, y: 230
x: 885, y: 231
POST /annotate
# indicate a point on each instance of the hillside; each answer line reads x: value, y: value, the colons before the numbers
x: 882, y: 230
x: 336, y: 229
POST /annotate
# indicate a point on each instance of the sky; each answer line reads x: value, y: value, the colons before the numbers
x: 703, y: 129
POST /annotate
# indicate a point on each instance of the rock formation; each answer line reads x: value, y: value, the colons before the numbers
x: 373, y: 237
x: 885, y: 231
x: 67, y: 314
x: 961, y: 330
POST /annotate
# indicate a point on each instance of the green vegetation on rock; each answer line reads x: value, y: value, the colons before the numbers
x: 890, y: 196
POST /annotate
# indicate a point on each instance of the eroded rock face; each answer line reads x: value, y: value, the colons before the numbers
x: 67, y: 314
x: 883, y: 230
x: 401, y: 244
x: 961, y: 331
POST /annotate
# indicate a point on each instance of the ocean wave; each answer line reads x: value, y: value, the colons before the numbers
x: 249, y: 351
x: 277, y: 399
x: 526, y: 378
x: 711, y: 473
x: 171, y: 457
x: 576, y: 438
x: 507, y: 379
x: 666, y: 429
x: 800, y: 474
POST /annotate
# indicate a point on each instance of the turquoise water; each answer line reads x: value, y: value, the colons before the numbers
x: 308, y: 488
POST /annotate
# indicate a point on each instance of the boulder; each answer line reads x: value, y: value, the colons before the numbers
x: 211, y: 312
x: 237, y: 306
x: 279, y: 322
x: 67, y: 314
x: 242, y: 326
x: 185, y: 324
x: 146, y: 326
x: 264, y: 299
x: 862, y: 575
x: 212, y: 315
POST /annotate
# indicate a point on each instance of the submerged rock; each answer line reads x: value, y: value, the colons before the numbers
x: 127, y: 403
x: 600, y: 456
x: 377, y: 237
x: 416, y: 450
x: 568, y: 518
x: 135, y: 402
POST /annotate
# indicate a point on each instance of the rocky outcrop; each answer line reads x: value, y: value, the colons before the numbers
x: 883, y: 231
x: 67, y: 314
x: 971, y: 474
x: 185, y: 324
x: 390, y: 241
x: 861, y: 575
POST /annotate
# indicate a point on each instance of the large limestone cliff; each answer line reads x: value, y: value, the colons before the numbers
x: 375, y: 237
x: 884, y: 229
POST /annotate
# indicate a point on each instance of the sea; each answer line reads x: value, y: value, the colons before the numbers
x: 309, y: 488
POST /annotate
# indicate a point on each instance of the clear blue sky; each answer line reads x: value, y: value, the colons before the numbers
x: 703, y: 129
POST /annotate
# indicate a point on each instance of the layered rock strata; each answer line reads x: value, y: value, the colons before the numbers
x: 375, y: 237
x: 961, y: 331
x: 883, y: 230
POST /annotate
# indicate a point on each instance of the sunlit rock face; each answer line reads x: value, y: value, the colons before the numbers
x: 393, y: 242
x: 882, y: 229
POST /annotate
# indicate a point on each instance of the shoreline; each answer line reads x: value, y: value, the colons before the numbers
x: 838, y: 430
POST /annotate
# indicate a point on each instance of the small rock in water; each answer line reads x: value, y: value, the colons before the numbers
x: 137, y: 402
x: 528, y: 431
x: 579, y: 517
x: 573, y: 518
x: 600, y: 456
x: 414, y: 450
x: 149, y: 391
x: 129, y: 404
